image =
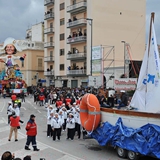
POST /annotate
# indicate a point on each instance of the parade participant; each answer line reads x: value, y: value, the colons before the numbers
x: 72, y: 108
x: 77, y: 122
x: 16, y: 109
x: 70, y: 126
x: 9, y: 111
x: 18, y: 102
x: 49, y: 128
x: 4, y: 93
x: 41, y: 99
x: 31, y: 129
x: 60, y: 114
x: 22, y: 95
x: 10, y: 47
x: 56, y: 125
x: 14, y: 123
x: 13, y: 97
x: 64, y: 112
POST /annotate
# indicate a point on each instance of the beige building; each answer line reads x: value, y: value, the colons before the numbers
x: 110, y: 23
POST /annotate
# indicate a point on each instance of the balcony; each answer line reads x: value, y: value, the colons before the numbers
x: 48, y: 2
x: 78, y: 7
x: 48, y: 30
x: 76, y: 56
x: 49, y: 16
x: 49, y: 45
x: 79, y: 22
x: 49, y: 59
x: 76, y: 73
x: 49, y: 73
x: 79, y: 39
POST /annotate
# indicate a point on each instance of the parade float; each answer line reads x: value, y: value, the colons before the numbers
x: 11, y: 76
x: 135, y: 130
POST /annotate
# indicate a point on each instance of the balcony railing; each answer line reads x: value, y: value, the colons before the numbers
x: 49, y: 16
x: 48, y: 44
x: 49, y: 59
x: 80, y: 72
x: 81, y: 6
x: 77, y: 39
x: 49, y: 73
x: 48, y: 30
x: 76, y: 56
x: 48, y: 2
x: 79, y: 22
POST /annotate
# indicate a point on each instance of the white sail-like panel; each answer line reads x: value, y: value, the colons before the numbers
x: 147, y: 94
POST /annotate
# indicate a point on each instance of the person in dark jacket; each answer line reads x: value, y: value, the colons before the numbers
x: 124, y: 99
x: 31, y: 129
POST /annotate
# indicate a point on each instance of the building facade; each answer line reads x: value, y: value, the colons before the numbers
x: 73, y: 27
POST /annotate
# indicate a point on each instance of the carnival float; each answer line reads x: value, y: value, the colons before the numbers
x: 11, y: 77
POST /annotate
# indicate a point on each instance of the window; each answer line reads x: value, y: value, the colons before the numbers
x: 61, y: 6
x: 61, y: 36
x: 22, y: 64
x: 85, y: 49
x: 51, y: 53
x: 73, y: 50
x: 61, y: 67
x: 32, y: 44
x: 39, y: 62
x: 51, y: 25
x: 62, y: 21
x: 61, y: 52
x: 51, y: 39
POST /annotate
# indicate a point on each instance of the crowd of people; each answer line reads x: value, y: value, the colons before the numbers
x: 63, y: 113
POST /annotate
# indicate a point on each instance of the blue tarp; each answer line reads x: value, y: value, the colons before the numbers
x: 144, y: 140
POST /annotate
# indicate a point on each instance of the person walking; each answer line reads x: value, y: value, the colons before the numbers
x: 31, y: 129
x: 9, y: 111
x: 70, y: 126
x: 56, y: 125
x: 14, y: 123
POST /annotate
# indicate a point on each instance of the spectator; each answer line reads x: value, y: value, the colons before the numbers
x: 7, y: 156
x: 74, y: 18
x: 27, y: 158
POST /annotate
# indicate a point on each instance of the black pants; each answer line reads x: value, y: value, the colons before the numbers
x: 49, y: 130
x: 57, y: 133
x: 64, y: 124
x: 70, y: 133
x: 78, y: 129
x: 9, y: 118
x: 31, y: 139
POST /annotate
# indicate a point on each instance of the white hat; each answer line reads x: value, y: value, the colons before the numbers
x: 10, y: 102
x: 74, y: 103
x: 122, y: 91
x: 12, y: 41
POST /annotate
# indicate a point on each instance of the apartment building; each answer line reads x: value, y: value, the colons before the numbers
x: 72, y: 27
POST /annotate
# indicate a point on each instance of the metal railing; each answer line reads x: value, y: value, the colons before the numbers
x: 76, y: 39
x: 49, y: 15
x: 76, y: 55
x: 76, y: 72
x: 48, y: 44
x: 49, y: 58
x: 77, y: 22
x: 48, y: 30
x: 46, y: 2
x: 76, y: 6
x: 49, y: 73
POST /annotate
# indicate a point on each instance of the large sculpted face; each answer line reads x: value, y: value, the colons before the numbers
x: 10, y: 49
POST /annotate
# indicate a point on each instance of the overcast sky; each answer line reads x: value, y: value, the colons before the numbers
x: 16, y: 16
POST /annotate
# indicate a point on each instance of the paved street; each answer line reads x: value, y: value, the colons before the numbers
x: 58, y: 150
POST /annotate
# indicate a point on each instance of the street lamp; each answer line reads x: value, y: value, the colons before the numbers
x: 124, y: 54
x: 89, y: 19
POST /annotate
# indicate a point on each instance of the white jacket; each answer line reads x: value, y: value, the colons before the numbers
x: 10, y: 110
x: 70, y: 123
x: 56, y: 123
x: 77, y: 117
